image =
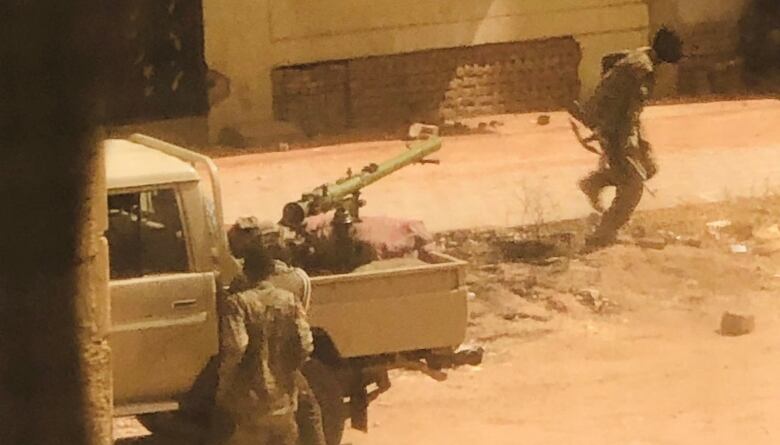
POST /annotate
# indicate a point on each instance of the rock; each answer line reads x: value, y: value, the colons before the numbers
x: 733, y: 325
x: 514, y: 316
x: 673, y: 238
x: 556, y: 305
x: 543, y: 119
x: 593, y: 299
x: 689, y: 241
x: 657, y: 243
x: 589, y: 294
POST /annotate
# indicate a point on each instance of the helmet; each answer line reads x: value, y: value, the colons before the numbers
x: 249, y: 230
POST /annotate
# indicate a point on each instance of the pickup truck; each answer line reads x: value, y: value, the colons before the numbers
x: 170, y: 264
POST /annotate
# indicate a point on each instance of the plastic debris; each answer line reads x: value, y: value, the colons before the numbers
x: 714, y: 227
x: 739, y: 248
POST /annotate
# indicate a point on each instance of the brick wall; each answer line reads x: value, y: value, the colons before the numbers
x: 430, y: 86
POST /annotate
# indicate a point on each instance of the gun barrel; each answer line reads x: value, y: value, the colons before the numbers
x: 326, y: 197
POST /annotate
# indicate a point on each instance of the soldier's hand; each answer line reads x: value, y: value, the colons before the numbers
x: 583, y: 141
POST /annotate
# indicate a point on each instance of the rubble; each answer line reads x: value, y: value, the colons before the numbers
x: 545, y: 250
x: 714, y: 228
x: 673, y: 238
x: 514, y: 316
x: 593, y: 299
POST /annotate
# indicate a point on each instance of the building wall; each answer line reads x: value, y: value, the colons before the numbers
x: 434, y: 86
x: 246, y: 39
x: 709, y: 30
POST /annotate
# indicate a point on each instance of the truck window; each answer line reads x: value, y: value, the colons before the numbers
x: 145, y: 234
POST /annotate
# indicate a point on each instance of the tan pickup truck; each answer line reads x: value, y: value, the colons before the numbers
x: 170, y: 262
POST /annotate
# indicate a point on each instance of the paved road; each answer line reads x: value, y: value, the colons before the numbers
x: 523, y: 172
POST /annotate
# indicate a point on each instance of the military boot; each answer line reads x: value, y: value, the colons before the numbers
x: 592, y: 192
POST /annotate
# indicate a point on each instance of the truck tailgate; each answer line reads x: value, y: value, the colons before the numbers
x: 396, y: 310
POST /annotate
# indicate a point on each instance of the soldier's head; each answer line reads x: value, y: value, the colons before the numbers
x: 258, y: 264
x: 667, y: 45
x: 249, y: 231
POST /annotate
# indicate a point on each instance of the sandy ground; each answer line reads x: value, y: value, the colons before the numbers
x: 641, y: 363
x: 644, y: 366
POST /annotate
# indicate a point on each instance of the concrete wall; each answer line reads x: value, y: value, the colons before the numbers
x: 691, y: 12
x: 709, y: 30
x: 246, y: 39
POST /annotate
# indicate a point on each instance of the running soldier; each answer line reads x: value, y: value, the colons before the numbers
x: 613, y: 115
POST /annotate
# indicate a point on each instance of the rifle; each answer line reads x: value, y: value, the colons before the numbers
x: 585, y: 142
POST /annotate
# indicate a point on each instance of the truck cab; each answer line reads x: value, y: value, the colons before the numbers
x: 164, y: 277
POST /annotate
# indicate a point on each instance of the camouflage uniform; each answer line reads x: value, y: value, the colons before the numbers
x: 244, y: 233
x: 613, y: 113
x: 309, y: 415
x: 265, y: 341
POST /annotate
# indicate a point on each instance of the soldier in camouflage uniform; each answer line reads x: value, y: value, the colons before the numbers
x: 613, y: 114
x: 265, y: 340
x: 246, y: 234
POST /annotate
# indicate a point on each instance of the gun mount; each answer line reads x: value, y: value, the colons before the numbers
x: 343, y: 195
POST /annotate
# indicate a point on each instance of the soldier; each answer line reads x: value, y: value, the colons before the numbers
x: 247, y: 234
x: 265, y: 341
x: 613, y: 114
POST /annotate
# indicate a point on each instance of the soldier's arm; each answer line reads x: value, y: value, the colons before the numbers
x: 301, y: 341
x: 233, y: 343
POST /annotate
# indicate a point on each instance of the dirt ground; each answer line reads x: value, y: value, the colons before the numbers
x: 616, y: 347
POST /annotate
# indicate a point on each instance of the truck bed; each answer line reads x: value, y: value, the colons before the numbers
x: 393, y: 310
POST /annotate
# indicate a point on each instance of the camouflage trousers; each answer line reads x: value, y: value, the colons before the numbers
x: 629, y: 187
x: 308, y: 416
x: 307, y: 421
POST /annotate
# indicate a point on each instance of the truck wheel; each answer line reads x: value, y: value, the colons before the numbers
x: 325, y: 385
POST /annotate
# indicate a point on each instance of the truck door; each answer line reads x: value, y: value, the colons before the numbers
x: 163, y: 310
